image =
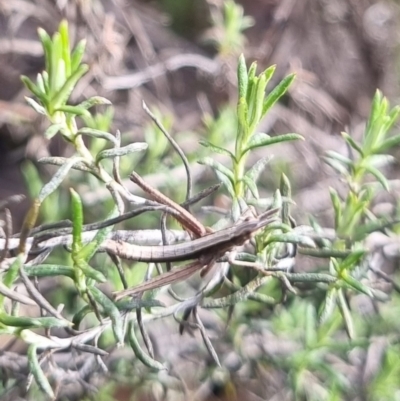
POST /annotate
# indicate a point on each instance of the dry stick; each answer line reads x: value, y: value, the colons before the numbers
x: 206, y: 339
x: 15, y: 296
x: 117, y: 198
x: 143, y: 332
x: 139, y: 316
x: 38, y: 297
x: 177, y: 274
x: 42, y: 236
x: 175, y: 145
x: 185, y: 218
x: 201, y: 195
x: 135, y: 79
x: 117, y: 262
x: 116, y: 159
x: 8, y: 225
x: 49, y: 226
x: 11, y: 199
x: 115, y: 194
x: 64, y: 227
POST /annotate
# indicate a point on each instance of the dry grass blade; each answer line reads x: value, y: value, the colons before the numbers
x: 184, y: 217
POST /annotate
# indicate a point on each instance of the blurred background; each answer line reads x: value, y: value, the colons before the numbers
x: 180, y: 56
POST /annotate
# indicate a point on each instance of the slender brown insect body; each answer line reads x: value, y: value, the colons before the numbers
x: 210, y: 244
x: 205, y: 249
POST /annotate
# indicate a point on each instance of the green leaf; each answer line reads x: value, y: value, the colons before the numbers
x: 80, y: 315
x: 254, y: 172
x: 379, y: 176
x: 251, y: 185
x: 140, y: 354
x: 329, y: 305
x: 32, y: 87
x: 94, y: 101
x: 345, y: 312
x: 310, y: 330
x: 58, y: 177
x: 336, y: 165
x: 277, y: 204
x: 269, y: 72
x: 333, y: 267
x: 286, y: 192
x: 258, y: 101
x: 338, y: 157
x: 88, y: 271
x: 40, y: 83
x: 75, y: 110
x: 61, y: 97
x: 226, y: 182
x: 243, y: 125
x: 35, y: 105
x: 47, y: 47
x: 63, y: 29
x: 110, y: 310
x: 217, y: 149
x: 77, y: 221
x: 125, y: 150
x: 207, y: 161
x: 251, y: 81
x: 45, y: 76
x: 49, y: 270
x: 371, y: 226
x: 356, y: 285
x: 60, y: 161
x: 318, y: 229
x: 261, y: 139
x: 77, y: 55
x: 224, y: 174
x: 337, y: 206
x: 351, y: 217
x: 352, y: 143
x: 242, y: 77
x: 128, y: 305
x: 378, y: 161
x: 292, y: 238
x: 37, y: 372
x: 375, y: 109
x: 277, y: 93
x: 391, y: 119
x: 284, y: 186
x: 33, y: 322
x: 276, y: 225
x: 52, y: 130
x: 325, y: 253
x: 352, y: 260
x: 57, y: 75
x: 61, y: 76
x: 91, y: 248
x: 388, y: 144
x: 251, y: 98
x: 95, y: 133
x: 12, y: 274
